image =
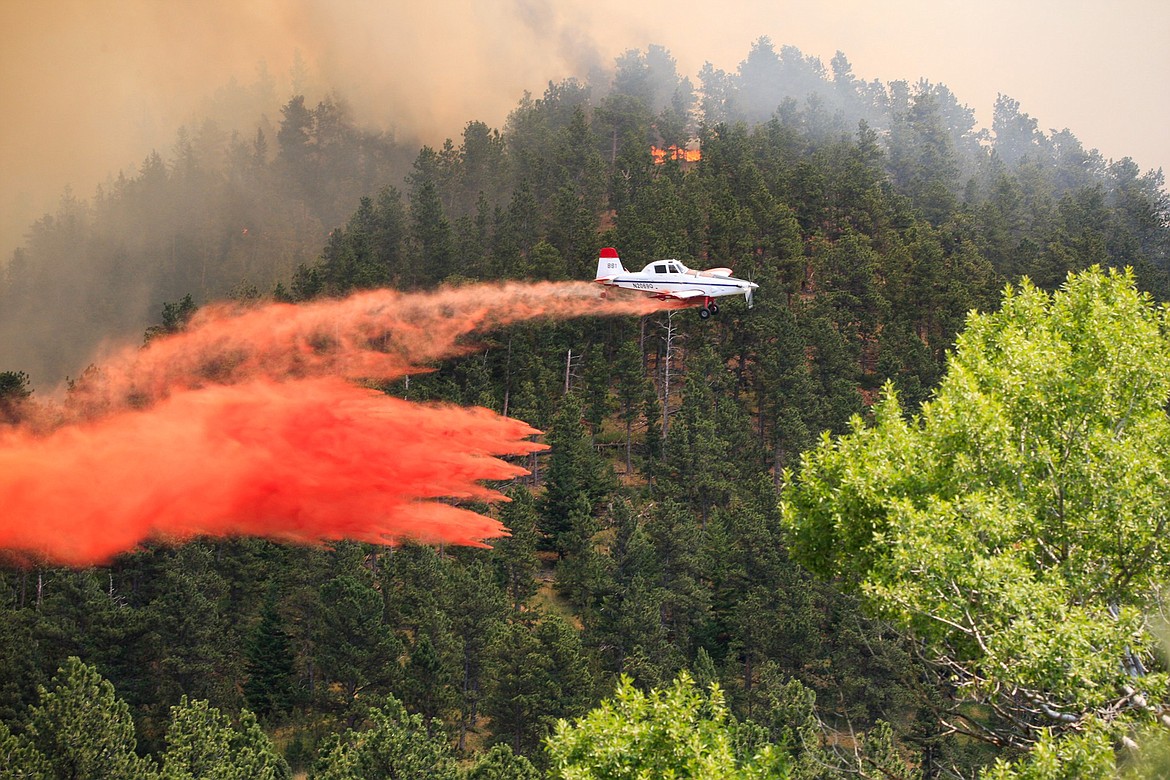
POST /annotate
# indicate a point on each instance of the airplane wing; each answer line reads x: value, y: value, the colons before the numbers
x: 681, y: 295
x: 716, y: 272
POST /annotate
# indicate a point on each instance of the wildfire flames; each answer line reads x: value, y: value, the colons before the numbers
x: 244, y: 425
x: 675, y: 153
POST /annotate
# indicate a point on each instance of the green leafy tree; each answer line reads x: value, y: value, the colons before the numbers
x: 674, y: 732
x: 1083, y: 756
x: 1018, y: 524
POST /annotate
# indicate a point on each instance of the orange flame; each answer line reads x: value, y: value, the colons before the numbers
x: 675, y: 153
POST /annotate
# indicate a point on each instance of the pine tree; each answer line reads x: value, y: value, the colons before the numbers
x: 197, y: 651
x: 685, y: 603
x: 429, y: 679
x: 626, y: 624
x: 14, y: 391
x: 479, y: 609
x: 202, y: 742
x: 631, y: 389
x: 514, y: 556
x: 573, y: 476
x: 430, y: 227
x: 538, y: 673
x: 578, y: 571
x: 395, y: 745
x: 354, y: 647
x: 598, y: 404
x: 82, y: 729
x: 500, y: 763
x: 19, y: 760
x: 269, y: 664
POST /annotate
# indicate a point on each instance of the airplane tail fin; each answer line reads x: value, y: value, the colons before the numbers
x: 608, y: 264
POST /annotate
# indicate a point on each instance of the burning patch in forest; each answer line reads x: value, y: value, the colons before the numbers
x: 684, y: 155
x: 244, y: 425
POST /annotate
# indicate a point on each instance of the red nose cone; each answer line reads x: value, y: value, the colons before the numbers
x: 609, y: 251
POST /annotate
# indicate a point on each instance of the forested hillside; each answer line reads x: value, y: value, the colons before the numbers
x: 650, y: 542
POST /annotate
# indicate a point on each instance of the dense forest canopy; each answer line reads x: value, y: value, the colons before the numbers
x: 231, y: 208
x: 649, y: 551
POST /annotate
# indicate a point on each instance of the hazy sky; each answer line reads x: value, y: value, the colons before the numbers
x: 91, y: 86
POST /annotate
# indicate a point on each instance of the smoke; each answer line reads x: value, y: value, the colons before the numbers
x: 244, y: 425
x: 102, y: 84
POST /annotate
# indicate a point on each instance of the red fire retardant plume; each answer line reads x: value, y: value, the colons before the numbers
x: 377, y: 334
x: 243, y: 424
x: 306, y: 461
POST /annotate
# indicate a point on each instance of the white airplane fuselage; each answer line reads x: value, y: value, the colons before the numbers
x: 672, y: 279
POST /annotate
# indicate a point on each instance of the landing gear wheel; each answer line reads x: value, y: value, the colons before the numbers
x: 704, y: 313
x: 714, y: 308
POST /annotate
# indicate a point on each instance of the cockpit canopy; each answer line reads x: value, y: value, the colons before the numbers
x: 665, y: 267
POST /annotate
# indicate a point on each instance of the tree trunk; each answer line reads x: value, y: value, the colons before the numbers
x: 629, y: 436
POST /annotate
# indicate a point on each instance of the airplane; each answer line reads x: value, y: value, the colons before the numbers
x: 671, y: 279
